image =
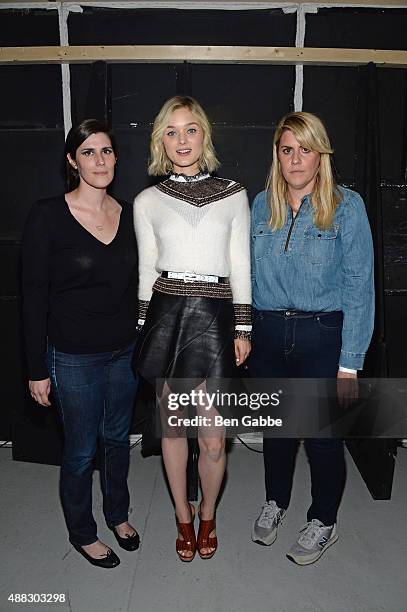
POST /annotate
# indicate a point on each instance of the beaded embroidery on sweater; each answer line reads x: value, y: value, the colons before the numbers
x: 200, y: 192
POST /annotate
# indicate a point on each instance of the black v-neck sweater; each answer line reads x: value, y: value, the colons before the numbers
x: 77, y: 292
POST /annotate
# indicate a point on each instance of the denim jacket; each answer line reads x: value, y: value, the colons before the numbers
x: 304, y: 268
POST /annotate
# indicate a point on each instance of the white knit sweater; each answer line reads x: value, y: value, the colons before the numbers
x: 178, y: 236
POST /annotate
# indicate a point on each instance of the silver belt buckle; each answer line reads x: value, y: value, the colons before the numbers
x: 189, y: 277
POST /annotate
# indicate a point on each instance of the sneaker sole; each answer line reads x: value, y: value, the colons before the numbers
x: 302, y: 561
x: 268, y: 541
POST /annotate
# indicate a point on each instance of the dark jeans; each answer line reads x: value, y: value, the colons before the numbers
x: 94, y: 394
x: 300, y: 346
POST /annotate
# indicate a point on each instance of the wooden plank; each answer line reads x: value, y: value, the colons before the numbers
x: 201, y: 54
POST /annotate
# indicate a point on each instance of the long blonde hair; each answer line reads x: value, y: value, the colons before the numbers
x: 310, y: 132
x: 159, y: 163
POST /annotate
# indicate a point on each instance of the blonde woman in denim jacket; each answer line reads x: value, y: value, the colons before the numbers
x: 313, y: 298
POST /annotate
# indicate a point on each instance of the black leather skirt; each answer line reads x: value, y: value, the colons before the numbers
x: 187, y: 337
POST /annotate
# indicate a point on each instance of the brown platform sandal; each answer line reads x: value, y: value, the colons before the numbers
x: 203, y: 539
x: 188, y: 543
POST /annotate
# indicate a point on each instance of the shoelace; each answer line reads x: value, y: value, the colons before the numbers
x: 269, y: 513
x: 312, y: 532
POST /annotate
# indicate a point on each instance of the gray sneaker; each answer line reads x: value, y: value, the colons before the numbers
x: 264, y: 530
x: 314, y: 539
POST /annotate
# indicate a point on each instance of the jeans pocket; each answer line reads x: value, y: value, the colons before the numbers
x: 330, y: 322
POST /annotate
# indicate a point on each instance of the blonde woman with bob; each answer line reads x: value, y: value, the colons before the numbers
x: 313, y: 298
x: 194, y: 296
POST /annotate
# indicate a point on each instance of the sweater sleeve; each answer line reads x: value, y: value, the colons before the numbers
x: 239, y: 254
x: 147, y: 250
x: 35, y: 284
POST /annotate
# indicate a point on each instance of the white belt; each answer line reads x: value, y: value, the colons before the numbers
x: 190, y: 277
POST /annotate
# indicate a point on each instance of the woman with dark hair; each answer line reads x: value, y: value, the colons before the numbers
x: 79, y: 265
x: 313, y: 298
x: 193, y: 236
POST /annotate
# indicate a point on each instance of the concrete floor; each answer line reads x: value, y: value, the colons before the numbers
x: 363, y: 571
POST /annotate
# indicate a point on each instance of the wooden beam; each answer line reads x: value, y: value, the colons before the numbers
x: 208, y: 54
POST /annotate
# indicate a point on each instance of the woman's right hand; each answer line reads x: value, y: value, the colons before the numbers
x: 39, y: 390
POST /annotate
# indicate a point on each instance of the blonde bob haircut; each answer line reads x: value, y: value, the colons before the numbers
x: 310, y: 132
x: 159, y: 163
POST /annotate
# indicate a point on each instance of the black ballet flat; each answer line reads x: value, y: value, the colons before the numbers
x: 109, y: 562
x: 129, y: 543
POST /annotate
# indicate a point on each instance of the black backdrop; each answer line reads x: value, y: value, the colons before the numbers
x: 243, y: 101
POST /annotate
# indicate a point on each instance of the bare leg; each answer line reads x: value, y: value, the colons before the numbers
x: 175, y: 456
x: 211, y: 466
x: 211, y: 463
x: 174, y: 446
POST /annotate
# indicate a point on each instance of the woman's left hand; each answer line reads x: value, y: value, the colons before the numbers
x: 242, y: 350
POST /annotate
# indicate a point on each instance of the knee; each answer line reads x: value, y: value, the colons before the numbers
x: 114, y: 441
x: 78, y: 463
x: 114, y: 435
x: 214, y: 448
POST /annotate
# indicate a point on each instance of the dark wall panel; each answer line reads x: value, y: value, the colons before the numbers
x: 139, y: 90
x: 396, y: 333
x: 250, y: 166
x: 31, y: 162
x: 31, y: 145
x: 12, y: 377
x: 97, y: 26
x: 393, y: 123
x: 357, y: 28
x: 10, y: 268
x: 131, y: 169
x: 28, y: 28
x: 395, y: 242
x: 245, y: 95
x: 31, y: 95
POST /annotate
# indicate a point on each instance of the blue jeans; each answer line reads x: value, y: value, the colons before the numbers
x: 94, y: 394
x: 300, y: 346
